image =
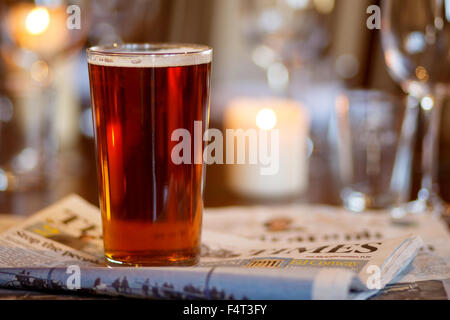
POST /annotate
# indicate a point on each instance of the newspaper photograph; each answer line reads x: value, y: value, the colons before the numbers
x: 60, y: 249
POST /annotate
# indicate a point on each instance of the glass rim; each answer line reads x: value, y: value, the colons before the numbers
x: 153, y: 55
x: 149, y: 49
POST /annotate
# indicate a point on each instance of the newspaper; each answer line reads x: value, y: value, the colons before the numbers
x: 303, y: 224
x: 60, y: 248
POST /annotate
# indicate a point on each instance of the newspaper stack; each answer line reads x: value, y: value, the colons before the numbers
x: 295, y: 252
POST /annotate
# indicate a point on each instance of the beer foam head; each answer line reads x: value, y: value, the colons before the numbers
x: 149, y: 55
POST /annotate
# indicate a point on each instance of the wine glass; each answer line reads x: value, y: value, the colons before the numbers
x: 415, y: 37
x: 36, y: 38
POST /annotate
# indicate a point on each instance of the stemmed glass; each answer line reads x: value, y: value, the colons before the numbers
x: 36, y: 36
x: 415, y: 37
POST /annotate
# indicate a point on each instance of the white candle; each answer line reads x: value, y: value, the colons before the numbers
x: 290, y: 119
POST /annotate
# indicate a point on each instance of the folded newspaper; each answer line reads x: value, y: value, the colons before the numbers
x: 60, y: 248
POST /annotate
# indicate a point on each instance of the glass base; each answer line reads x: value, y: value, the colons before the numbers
x: 188, y: 257
x: 358, y: 201
x: 19, y: 182
x: 432, y: 205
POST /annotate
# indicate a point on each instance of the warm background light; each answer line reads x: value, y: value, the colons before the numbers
x: 38, y: 29
x: 37, y: 21
x: 324, y: 6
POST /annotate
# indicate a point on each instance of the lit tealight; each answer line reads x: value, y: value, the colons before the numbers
x: 37, y: 21
x: 266, y: 119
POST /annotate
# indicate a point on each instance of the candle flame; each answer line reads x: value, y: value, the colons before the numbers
x: 266, y: 119
x: 37, y: 21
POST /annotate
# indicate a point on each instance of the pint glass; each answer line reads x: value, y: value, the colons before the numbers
x: 142, y: 95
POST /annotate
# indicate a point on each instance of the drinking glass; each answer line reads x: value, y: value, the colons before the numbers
x: 373, y: 149
x: 415, y: 37
x: 144, y: 97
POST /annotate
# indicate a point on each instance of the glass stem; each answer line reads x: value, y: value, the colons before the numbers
x: 428, y: 192
x: 401, y: 182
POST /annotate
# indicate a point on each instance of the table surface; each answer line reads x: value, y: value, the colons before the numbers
x: 423, y: 290
x: 78, y: 173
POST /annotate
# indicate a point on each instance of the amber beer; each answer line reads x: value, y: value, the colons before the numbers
x: 151, y: 208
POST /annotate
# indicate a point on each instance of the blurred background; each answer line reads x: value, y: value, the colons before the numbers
x: 309, y: 51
